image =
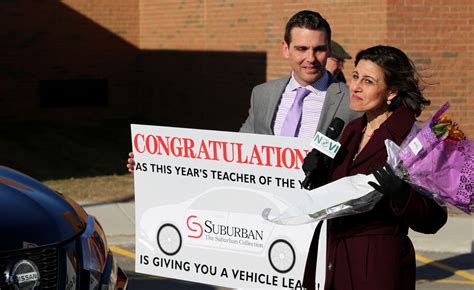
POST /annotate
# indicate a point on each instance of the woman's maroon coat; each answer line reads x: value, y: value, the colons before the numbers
x: 371, y: 251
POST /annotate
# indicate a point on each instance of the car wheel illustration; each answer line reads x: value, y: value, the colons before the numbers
x: 282, y: 256
x: 169, y: 239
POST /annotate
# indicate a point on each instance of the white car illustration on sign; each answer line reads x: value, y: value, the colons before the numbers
x: 227, y: 219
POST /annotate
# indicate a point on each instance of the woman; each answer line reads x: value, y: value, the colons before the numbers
x: 372, y: 250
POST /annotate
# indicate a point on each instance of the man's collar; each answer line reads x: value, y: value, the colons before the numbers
x: 321, y: 84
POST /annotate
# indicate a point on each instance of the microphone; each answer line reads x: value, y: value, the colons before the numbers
x: 324, y: 147
x: 335, y: 128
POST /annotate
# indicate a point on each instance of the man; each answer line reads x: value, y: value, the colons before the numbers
x: 306, y: 45
x: 335, y: 63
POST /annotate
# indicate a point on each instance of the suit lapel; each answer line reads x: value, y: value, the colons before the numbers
x: 274, y: 96
x: 334, y: 96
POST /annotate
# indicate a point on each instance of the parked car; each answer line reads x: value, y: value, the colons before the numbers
x: 49, y: 241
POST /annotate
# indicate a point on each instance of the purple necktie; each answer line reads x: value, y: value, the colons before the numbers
x: 290, y: 125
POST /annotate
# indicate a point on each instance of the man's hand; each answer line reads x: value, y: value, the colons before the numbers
x: 130, y: 162
x: 391, y: 185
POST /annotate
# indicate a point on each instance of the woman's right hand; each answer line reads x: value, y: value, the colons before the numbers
x: 130, y: 162
x: 391, y: 185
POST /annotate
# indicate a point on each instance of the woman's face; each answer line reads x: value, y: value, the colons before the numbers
x: 369, y: 92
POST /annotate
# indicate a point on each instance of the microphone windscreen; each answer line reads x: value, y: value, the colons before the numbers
x: 335, y: 128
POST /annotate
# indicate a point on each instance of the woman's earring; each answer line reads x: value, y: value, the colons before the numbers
x: 389, y: 102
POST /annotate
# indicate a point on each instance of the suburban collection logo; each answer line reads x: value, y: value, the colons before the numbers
x: 212, y: 231
x: 194, y: 227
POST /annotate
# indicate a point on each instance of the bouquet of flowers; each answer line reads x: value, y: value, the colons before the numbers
x: 437, y: 160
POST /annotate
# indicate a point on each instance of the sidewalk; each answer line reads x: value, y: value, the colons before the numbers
x: 117, y: 219
x: 457, y: 236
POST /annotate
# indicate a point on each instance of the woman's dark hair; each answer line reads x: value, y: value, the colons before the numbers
x: 309, y: 20
x: 400, y: 75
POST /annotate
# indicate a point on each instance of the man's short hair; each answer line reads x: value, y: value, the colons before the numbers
x: 309, y: 20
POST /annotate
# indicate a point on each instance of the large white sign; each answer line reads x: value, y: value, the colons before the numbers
x: 199, y: 198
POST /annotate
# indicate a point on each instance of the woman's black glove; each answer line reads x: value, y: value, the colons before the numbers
x: 391, y: 185
x: 316, y: 169
x: 312, y: 161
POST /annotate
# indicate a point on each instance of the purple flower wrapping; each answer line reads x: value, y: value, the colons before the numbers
x: 444, y: 167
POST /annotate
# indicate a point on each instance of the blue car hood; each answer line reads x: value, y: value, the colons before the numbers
x: 33, y: 215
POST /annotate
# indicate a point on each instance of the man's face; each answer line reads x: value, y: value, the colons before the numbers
x: 334, y: 65
x: 307, y: 52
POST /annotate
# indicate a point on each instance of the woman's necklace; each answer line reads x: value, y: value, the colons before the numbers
x: 364, y: 141
x: 367, y: 133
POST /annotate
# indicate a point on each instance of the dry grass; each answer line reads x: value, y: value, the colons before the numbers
x: 49, y: 150
x: 84, y: 160
x: 95, y: 189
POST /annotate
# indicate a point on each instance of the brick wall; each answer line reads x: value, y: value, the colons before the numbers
x: 221, y: 41
x: 438, y: 35
x: 119, y: 17
x: 198, y: 89
x: 113, y: 40
x: 48, y: 40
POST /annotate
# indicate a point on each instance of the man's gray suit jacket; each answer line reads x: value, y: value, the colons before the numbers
x: 266, y: 98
